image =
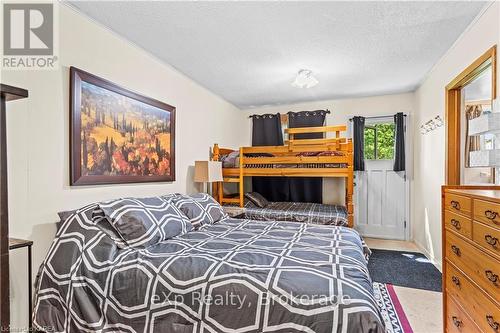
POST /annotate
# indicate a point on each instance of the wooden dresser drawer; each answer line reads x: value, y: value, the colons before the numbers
x: 487, y: 212
x: 458, y: 204
x: 483, y: 311
x: 487, y: 237
x: 457, y: 320
x: 480, y: 267
x: 458, y: 223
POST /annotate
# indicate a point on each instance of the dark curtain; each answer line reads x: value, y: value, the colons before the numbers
x: 399, y: 150
x: 358, y: 124
x: 266, y: 131
x: 306, y: 189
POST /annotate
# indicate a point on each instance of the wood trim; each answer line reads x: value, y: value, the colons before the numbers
x: 7, y: 93
x: 482, y: 193
x: 494, y: 72
x: 297, y: 159
x: 241, y: 179
x: 288, y: 172
x: 231, y: 200
x: 231, y: 180
x: 328, y: 141
x: 217, y: 187
x: 474, y: 69
x: 478, y: 102
x: 452, y: 120
x: 344, y: 146
x: 471, y: 187
x: 319, y: 129
x: 453, y: 110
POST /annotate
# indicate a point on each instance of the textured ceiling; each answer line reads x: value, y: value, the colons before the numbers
x: 249, y: 52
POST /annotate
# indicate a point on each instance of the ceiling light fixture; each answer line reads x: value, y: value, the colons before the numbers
x: 305, y: 79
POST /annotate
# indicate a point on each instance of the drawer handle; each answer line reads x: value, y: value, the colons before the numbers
x: 455, y: 280
x: 490, y: 214
x: 456, y: 224
x: 493, y: 324
x: 456, y: 322
x: 455, y: 204
x: 456, y: 250
x: 491, y: 240
x: 491, y: 276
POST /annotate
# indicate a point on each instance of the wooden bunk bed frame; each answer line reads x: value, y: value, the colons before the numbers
x: 287, y: 154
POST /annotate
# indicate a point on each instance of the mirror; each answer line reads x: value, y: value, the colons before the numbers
x: 476, y: 102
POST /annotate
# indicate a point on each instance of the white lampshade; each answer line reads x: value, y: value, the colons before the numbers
x: 207, y: 171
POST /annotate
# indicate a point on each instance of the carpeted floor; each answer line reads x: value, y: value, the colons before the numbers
x: 405, y: 269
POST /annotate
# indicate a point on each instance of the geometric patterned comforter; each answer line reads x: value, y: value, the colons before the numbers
x: 232, y: 276
x: 298, y: 212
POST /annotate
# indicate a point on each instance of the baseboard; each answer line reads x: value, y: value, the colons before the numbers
x: 426, y: 253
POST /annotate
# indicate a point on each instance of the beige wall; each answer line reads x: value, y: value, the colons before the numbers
x: 38, y: 135
x: 341, y: 111
x: 429, y: 165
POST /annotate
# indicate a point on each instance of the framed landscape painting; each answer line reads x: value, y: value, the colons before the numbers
x: 118, y: 136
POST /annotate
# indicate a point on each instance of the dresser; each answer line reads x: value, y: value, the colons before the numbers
x: 471, y: 264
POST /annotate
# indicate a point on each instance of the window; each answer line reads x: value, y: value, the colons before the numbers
x: 379, y: 141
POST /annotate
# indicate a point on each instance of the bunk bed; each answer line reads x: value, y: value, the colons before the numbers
x: 331, y: 156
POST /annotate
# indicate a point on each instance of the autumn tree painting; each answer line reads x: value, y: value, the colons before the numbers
x: 122, y: 139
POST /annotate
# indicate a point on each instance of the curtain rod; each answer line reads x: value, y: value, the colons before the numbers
x: 325, y: 111
x: 376, y: 117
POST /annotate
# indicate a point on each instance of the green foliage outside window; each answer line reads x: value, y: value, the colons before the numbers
x: 379, y: 141
x: 369, y: 142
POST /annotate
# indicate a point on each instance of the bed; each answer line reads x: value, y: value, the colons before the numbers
x: 331, y: 156
x: 314, y: 213
x: 227, y: 276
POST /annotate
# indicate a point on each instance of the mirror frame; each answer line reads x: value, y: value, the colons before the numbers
x: 453, y: 98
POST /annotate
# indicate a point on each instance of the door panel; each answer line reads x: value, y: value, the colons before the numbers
x: 380, y: 196
x: 376, y: 183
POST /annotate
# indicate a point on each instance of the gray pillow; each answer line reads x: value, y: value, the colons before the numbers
x: 257, y: 199
x: 230, y: 160
x: 142, y: 222
x: 63, y: 216
x: 200, y: 209
x: 100, y: 219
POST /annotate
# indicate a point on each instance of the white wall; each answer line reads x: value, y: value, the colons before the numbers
x: 341, y: 111
x: 38, y: 135
x: 429, y: 165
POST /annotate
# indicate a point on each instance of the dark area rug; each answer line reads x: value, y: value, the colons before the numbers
x: 405, y: 269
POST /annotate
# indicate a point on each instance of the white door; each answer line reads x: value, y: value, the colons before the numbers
x: 380, y: 200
